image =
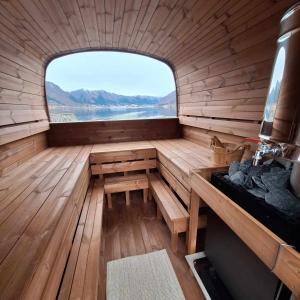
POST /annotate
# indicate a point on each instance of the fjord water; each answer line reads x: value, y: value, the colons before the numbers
x: 67, y: 114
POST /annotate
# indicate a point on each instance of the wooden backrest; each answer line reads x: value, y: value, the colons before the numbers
x: 123, y: 161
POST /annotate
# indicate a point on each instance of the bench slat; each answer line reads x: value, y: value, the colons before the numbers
x: 123, y: 167
x: 106, y: 157
x: 182, y: 192
x: 26, y: 269
x: 82, y: 273
x: 173, y: 212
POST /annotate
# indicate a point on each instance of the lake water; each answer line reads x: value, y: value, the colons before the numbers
x: 65, y: 114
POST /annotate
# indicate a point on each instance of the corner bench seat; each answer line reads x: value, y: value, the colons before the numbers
x: 42, y: 200
x: 169, y: 207
x: 40, y: 204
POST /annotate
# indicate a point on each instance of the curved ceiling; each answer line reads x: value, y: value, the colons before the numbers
x: 222, y: 53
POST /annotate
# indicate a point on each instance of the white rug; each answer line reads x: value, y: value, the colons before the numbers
x: 143, y: 277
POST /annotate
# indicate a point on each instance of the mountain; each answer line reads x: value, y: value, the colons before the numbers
x: 58, y: 97
x: 168, y: 99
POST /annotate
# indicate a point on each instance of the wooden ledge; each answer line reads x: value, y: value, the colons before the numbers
x: 281, y: 259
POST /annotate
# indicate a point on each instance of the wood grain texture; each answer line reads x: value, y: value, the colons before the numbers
x: 62, y: 134
x: 15, y: 153
x: 40, y: 204
x: 133, y: 230
x: 221, y: 52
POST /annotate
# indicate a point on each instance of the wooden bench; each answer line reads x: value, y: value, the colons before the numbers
x: 123, y: 158
x: 40, y: 201
x: 169, y: 207
x: 112, y: 160
x: 126, y: 184
x: 81, y: 277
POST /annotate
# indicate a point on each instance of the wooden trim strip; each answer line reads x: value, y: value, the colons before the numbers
x: 280, y: 258
x: 263, y: 242
x: 287, y: 268
x: 123, y: 167
x: 245, y: 129
x: 123, y: 155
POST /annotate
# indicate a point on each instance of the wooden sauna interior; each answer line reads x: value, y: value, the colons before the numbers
x: 56, y: 230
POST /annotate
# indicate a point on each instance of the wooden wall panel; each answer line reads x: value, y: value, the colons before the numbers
x: 15, y: 153
x: 222, y: 86
x: 66, y: 134
x: 221, y: 51
x: 22, y: 105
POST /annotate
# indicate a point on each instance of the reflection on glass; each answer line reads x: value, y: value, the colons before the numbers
x: 275, y: 86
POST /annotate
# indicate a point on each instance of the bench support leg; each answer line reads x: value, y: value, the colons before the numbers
x: 174, y: 241
x: 127, y: 198
x: 158, y: 213
x: 109, y: 201
x: 149, y: 194
x: 193, y: 223
x: 145, y: 195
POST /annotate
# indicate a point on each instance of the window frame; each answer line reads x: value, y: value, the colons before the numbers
x: 60, y: 55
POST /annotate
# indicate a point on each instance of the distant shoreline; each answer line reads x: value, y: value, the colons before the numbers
x: 105, y: 107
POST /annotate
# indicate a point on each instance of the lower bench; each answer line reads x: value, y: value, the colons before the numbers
x: 169, y: 207
x: 126, y: 184
x: 81, y: 276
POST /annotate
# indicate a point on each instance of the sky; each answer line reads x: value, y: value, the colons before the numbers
x: 116, y: 72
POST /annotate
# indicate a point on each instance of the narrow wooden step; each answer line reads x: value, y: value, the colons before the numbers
x: 170, y: 207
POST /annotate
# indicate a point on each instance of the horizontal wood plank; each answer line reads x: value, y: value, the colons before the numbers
x: 123, y: 167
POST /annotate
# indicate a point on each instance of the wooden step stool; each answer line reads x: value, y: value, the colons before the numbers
x: 169, y: 207
x: 126, y: 184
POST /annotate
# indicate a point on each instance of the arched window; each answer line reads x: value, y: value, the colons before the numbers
x: 108, y: 85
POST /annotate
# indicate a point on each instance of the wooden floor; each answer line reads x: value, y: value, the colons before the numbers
x: 135, y: 230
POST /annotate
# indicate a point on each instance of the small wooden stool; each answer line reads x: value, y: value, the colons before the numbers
x: 126, y: 184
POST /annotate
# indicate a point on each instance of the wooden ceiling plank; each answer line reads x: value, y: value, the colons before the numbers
x: 194, y: 18
x: 118, y: 16
x: 232, y: 33
x: 88, y: 13
x: 101, y: 22
x: 109, y: 22
x: 144, y: 24
x: 174, y: 19
x: 17, y: 33
x: 58, y: 17
x: 23, y: 20
x: 40, y: 16
x: 161, y: 13
x: 131, y: 11
x: 210, y: 31
x: 72, y: 13
x: 141, y: 15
